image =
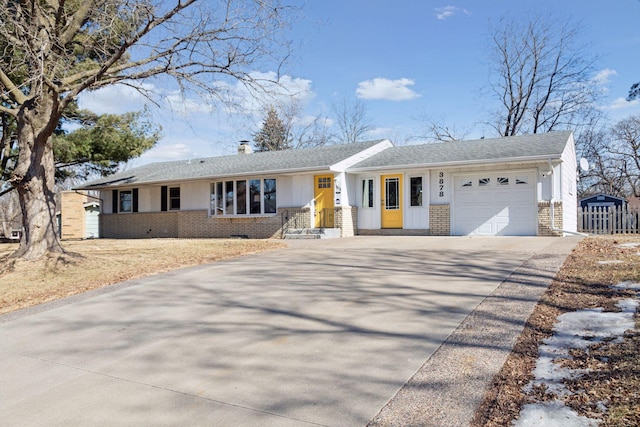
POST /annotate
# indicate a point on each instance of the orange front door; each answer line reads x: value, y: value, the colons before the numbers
x: 391, y: 201
x: 323, y: 196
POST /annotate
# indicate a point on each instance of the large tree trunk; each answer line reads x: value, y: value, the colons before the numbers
x: 34, y: 179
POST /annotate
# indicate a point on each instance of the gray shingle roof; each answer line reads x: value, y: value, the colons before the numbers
x: 515, y: 148
x: 318, y: 158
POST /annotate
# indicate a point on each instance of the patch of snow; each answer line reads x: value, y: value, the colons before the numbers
x: 575, y: 330
x: 628, y: 306
x: 552, y: 414
x: 628, y: 285
x: 607, y: 262
x: 628, y: 245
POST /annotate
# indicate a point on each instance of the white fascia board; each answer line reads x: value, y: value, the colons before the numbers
x: 343, y: 165
x: 209, y: 178
x: 529, y: 159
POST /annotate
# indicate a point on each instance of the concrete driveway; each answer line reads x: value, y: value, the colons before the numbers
x: 325, y: 332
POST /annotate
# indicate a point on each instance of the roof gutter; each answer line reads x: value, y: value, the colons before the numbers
x: 209, y: 177
x: 545, y: 158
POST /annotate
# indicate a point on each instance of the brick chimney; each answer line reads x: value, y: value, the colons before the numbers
x: 244, y: 148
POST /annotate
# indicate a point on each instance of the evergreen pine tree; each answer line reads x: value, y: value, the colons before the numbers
x: 273, y: 135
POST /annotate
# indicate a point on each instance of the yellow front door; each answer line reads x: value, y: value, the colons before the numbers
x: 323, y: 195
x: 391, y: 201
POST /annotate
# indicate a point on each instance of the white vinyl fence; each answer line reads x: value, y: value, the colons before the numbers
x: 608, y: 220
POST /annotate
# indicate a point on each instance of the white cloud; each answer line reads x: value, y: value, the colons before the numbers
x: 273, y: 90
x: 602, y: 77
x: 379, y: 133
x: 621, y: 103
x: 392, y: 90
x: 448, y: 11
x: 185, y: 106
x: 164, y: 152
x: 116, y: 99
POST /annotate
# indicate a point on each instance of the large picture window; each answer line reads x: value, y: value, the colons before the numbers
x: 269, y: 196
x: 228, y: 197
x: 253, y: 197
x: 241, y: 197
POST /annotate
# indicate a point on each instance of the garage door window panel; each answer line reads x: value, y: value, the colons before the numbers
x: 466, y: 183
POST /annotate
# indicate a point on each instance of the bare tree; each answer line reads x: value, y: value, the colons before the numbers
x: 435, y: 130
x: 541, y: 75
x: 351, y: 116
x: 614, y: 157
x: 304, y: 131
x: 312, y: 132
x: 625, y: 153
x: 54, y: 50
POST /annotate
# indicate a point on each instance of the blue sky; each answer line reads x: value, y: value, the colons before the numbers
x: 405, y: 59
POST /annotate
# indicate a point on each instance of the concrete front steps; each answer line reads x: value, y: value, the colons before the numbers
x: 313, y: 233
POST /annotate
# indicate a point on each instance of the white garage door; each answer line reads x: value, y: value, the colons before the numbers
x: 495, y: 204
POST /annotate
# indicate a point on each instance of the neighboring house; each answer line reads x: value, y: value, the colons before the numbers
x: 502, y: 186
x: 602, y: 201
x: 603, y: 213
x: 78, y: 217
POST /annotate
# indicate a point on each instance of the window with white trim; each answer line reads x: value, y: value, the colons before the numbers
x: 174, y: 198
x: 126, y: 201
x: 244, y: 197
x: 416, y: 190
x: 367, y: 193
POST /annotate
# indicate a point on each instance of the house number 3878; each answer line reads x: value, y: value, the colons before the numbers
x: 440, y: 184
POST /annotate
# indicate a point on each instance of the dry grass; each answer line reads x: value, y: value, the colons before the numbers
x: 583, y: 282
x: 91, y: 264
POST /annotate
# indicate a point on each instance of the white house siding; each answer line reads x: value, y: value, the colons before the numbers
x: 438, y: 195
x: 349, y: 189
x: 416, y: 217
x: 297, y: 191
x: 146, y: 199
x: 193, y: 195
x: 368, y: 217
x: 106, y: 201
x: 340, y: 190
x: 568, y: 189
